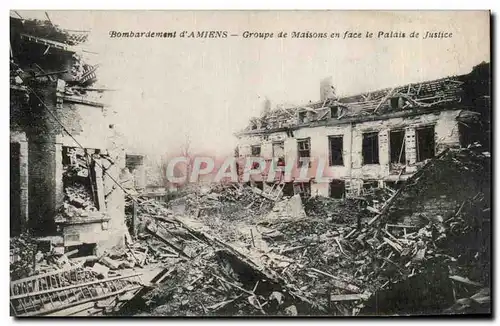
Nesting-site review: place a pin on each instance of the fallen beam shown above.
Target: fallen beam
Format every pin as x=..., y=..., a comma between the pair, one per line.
x=464, y=280
x=154, y=233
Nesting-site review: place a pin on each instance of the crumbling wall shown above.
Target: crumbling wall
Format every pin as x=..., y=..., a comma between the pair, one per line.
x=88, y=124
x=114, y=195
x=445, y=185
x=45, y=137
x=447, y=133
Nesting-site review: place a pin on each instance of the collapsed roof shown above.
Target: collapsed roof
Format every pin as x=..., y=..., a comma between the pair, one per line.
x=454, y=91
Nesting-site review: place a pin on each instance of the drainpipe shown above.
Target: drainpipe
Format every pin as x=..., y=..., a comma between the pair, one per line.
x=350, y=154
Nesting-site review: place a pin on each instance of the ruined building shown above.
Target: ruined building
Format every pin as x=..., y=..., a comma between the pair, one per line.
x=66, y=157
x=370, y=140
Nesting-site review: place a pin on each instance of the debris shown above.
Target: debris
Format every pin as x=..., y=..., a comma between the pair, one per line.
x=100, y=270
x=291, y=311
x=111, y=263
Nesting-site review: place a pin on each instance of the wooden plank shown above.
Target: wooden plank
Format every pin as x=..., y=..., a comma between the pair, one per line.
x=373, y=210
x=82, y=100
x=393, y=244
x=402, y=226
x=134, y=218
x=348, y=297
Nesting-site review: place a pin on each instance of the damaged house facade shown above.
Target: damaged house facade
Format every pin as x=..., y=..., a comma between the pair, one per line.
x=373, y=140
x=66, y=156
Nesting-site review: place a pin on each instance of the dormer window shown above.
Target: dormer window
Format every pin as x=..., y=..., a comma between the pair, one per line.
x=396, y=102
x=334, y=111
x=302, y=116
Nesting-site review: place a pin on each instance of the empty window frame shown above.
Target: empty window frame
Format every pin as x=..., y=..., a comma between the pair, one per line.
x=337, y=189
x=425, y=143
x=304, y=151
x=370, y=148
x=335, y=144
x=397, y=146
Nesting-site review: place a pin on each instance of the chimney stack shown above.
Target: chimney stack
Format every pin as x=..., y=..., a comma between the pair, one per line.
x=326, y=89
x=266, y=107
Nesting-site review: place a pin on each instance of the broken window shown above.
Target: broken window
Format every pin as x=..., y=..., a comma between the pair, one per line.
x=337, y=189
x=336, y=149
x=279, y=149
x=425, y=143
x=304, y=150
x=370, y=148
x=279, y=153
x=397, y=146
x=255, y=150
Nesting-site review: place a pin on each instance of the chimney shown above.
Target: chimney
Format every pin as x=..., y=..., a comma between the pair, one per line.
x=266, y=107
x=326, y=89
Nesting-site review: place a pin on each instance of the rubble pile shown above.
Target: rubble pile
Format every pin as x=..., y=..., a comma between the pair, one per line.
x=323, y=262
x=334, y=210
x=149, y=206
x=22, y=256
x=345, y=268
x=208, y=276
x=80, y=188
x=235, y=202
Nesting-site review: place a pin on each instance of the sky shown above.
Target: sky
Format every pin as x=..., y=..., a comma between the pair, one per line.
x=168, y=90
